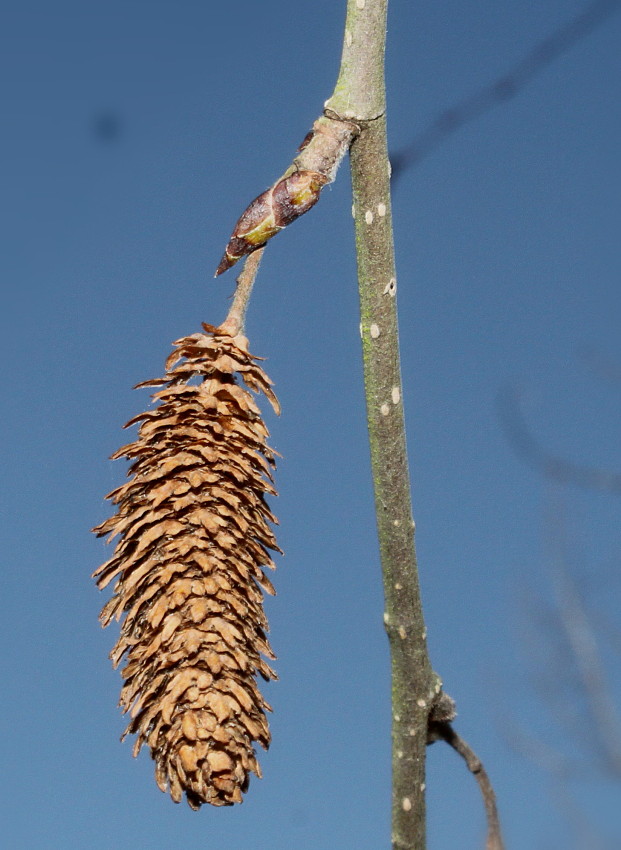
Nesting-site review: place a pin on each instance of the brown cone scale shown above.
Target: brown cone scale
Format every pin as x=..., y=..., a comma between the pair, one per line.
x=193, y=533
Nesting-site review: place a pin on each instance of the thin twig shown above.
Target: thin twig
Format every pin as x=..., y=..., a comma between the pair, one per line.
x=234, y=322
x=446, y=732
x=504, y=88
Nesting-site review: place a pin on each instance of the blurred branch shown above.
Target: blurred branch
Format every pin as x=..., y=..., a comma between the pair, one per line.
x=580, y=676
x=556, y=468
x=533, y=748
x=601, y=364
x=580, y=635
x=504, y=88
x=585, y=834
x=554, y=680
x=446, y=732
x=570, y=678
x=560, y=771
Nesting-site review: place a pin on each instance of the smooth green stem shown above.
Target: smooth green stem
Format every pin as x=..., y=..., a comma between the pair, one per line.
x=360, y=92
x=360, y=96
x=414, y=685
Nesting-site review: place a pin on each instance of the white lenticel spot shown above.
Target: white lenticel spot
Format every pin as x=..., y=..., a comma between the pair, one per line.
x=386, y=617
x=396, y=523
x=407, y=804
x=381, y=210
x=375, y=331
x=360, y=326
x=398, y=586
x=396, y=395
x=348, y=38
x=368, y=217
x=360, y=3
x=397, y=718
x=422, y=786
x=384, y=410
x=353, y=211
x=421, y=703
x=402, y=633
x=391, y=287
x=399, y=754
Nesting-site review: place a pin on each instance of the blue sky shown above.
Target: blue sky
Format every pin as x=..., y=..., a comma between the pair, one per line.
x=507, y=240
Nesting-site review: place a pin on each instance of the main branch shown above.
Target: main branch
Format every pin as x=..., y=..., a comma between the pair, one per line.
x=414, y=685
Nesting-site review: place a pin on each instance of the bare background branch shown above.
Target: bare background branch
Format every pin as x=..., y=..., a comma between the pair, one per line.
x=577, y=742
x=549, y=464
x=504, y=88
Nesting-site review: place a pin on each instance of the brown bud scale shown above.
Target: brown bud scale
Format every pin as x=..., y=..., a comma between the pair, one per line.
x=193, y=536
x=294, y=193
x=273, y=210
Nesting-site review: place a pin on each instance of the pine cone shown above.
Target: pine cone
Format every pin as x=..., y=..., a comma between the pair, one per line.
x=194, y=534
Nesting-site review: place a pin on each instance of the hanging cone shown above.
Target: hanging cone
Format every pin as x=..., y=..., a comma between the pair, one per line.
x=194, y=534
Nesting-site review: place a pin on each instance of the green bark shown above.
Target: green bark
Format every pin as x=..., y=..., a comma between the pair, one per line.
x=360, y=96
